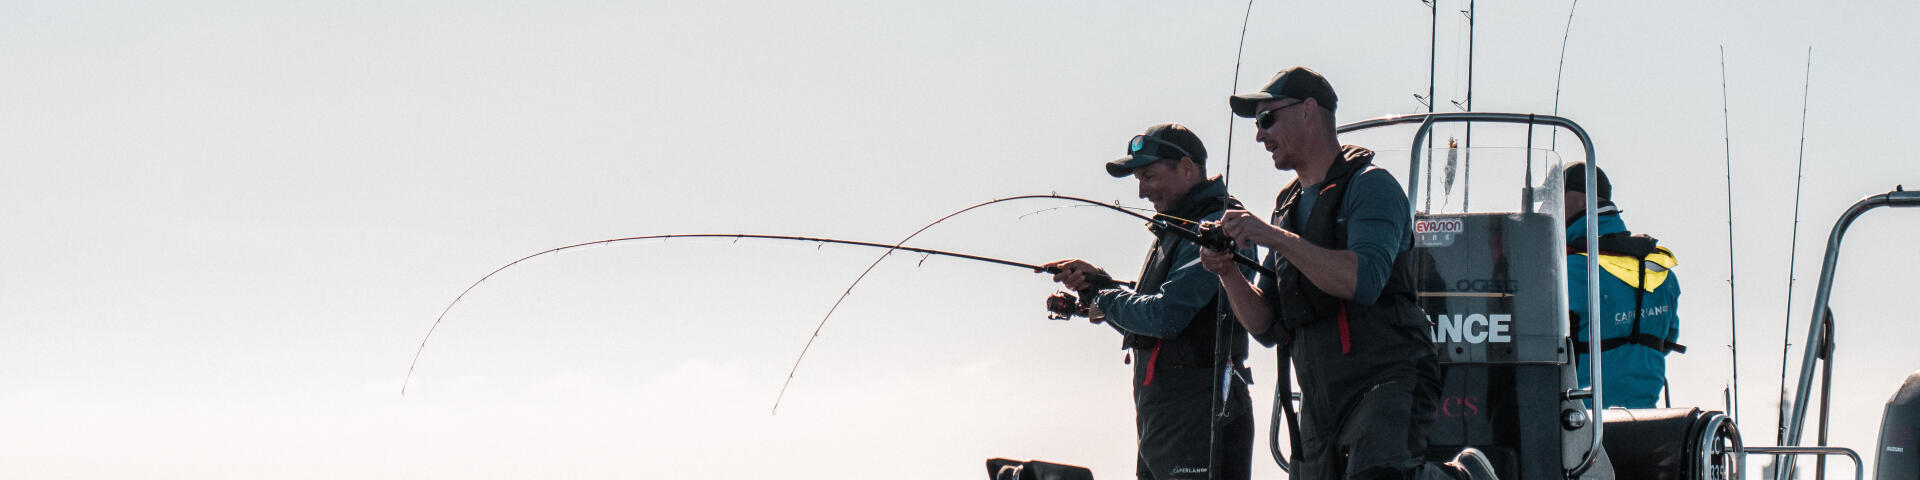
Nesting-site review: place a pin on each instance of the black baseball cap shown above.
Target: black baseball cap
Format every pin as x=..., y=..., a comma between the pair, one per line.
x=1297, y=82
x=1575, y=180
x=1166, y=141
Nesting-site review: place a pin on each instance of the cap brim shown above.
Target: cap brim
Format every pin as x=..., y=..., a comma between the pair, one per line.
x=1124, y=166
x=1243, y=104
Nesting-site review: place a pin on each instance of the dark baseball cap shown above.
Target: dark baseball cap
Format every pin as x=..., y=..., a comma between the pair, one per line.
x=1166, y=141
x=1575, y=175
x=1297, y=82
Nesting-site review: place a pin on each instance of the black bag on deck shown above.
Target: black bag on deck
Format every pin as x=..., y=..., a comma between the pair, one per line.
x=1006, y=469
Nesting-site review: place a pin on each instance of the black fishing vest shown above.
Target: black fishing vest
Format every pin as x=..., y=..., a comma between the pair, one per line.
x=1299, y=302
x=1193, y=347
x=1638, y=247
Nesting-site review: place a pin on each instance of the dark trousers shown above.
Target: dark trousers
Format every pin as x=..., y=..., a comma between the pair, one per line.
x=1366, y=411
x=1174, y=420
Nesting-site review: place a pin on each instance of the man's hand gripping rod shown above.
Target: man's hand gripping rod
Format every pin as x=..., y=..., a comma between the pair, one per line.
x=1064, y=305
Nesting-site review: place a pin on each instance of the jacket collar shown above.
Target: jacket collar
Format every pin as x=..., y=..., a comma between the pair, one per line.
x=1610, y=223
x=1200, y=199
x=1352, y=158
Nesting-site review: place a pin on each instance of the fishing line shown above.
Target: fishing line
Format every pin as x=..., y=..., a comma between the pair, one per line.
x=735, y=236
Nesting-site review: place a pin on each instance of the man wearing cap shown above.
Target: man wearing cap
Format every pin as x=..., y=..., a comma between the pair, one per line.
x=1168, y=321
x=1343, y=301
x=1638, y=326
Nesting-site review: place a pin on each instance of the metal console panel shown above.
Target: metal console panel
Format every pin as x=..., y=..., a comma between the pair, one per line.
x=1493, y=286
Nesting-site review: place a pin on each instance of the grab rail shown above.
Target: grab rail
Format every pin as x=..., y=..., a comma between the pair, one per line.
x=1790, y=436
x=1426, y=121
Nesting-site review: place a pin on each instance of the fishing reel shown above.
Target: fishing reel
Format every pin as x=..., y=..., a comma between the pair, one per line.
x=1206, y=234
x=1212, y=236
x=1063, y=305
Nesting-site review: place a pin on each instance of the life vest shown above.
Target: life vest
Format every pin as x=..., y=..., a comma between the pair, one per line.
x=1300, y=302
x=1193, y=347
x=1640, y=262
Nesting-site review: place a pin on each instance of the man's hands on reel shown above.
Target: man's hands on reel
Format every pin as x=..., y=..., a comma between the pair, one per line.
x=1220, y=262
x=1081, y=277
x=1247, y=229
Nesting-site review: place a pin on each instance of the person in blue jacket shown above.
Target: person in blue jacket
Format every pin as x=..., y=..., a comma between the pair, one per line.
x=1638, y=325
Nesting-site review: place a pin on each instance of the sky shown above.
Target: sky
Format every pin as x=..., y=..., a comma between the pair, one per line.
x=231, y=223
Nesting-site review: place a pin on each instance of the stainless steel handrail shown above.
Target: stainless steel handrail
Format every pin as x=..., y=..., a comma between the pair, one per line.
x=1859, y=469
x=1426, y=121
x=1790, y=436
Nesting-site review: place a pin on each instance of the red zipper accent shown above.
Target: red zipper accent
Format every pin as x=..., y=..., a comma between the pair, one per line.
x=1346, y=339
x=1152, y=360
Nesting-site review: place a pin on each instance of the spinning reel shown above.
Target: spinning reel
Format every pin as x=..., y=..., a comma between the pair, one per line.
x=1064, y=305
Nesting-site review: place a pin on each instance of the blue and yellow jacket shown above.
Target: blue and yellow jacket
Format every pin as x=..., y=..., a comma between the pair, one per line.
x=1635, y=366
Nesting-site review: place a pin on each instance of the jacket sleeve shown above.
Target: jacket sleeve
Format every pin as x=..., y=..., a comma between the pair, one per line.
x=1275, y=334
x=1376, y=230
x=1165, y=314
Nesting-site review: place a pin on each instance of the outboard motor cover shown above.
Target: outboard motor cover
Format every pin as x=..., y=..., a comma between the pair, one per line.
x=1897, y=457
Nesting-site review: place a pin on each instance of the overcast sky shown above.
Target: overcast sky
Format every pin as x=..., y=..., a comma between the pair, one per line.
x=230, y=223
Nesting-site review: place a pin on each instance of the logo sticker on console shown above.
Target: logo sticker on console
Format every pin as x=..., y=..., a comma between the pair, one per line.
x=1437, y=232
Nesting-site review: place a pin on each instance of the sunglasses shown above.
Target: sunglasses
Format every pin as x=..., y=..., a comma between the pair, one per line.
x=1265, y=119
x=1140, y=143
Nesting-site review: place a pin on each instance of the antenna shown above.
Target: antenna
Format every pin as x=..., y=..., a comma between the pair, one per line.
x=1733, y=322
x=1792, y=252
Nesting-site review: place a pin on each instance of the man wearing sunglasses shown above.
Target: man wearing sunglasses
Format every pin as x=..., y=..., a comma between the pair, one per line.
x=1168, y=321
x=1343, y=301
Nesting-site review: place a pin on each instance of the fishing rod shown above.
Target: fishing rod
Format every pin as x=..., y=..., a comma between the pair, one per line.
x=1202, y=236
x=1792, y=251
x=1067, y=207
x=1466, y=171
x=1560, y=71
x=1226, y=174
x=1223, y=329
x=1433, y=50
x=1060, y=304
x=1733, y=322
x=736, y=236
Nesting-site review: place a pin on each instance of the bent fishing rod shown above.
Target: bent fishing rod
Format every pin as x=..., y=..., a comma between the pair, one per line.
x=736, y=236
x=1061, y=305
x=1165, y=222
